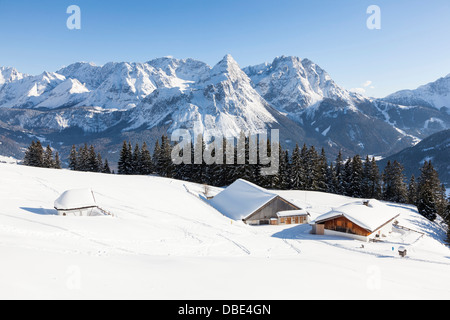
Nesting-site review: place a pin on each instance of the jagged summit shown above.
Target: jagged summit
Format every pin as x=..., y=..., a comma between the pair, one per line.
x=9, y=74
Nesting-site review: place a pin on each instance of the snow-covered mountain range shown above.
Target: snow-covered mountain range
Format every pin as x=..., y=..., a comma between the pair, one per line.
x=435, y=94
x=140, y=101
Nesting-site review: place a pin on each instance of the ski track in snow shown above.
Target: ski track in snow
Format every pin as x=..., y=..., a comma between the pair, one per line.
x=293, y=247
x=46, y=184
x=240, y=246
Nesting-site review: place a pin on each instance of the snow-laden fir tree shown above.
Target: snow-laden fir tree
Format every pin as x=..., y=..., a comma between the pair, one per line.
x=125, y=160
x=394, y=185
x=146, y=165
x=431, y=199
x=412, y=191
x=35, y=156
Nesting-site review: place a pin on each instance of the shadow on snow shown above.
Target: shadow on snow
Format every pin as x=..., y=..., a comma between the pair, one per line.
x=41, y=211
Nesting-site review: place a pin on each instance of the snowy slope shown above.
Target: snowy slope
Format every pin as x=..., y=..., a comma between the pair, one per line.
x=164, y=242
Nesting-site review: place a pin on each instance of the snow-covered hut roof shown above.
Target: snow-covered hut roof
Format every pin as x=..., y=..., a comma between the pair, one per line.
x=370, y=217
x=75, y=199
x=241, y=199
x=292, y=213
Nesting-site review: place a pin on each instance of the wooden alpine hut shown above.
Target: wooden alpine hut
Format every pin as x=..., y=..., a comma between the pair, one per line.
x=252, y=204
x=361, y=220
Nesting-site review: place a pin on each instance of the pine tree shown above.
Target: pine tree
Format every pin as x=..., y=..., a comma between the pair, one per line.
x=356, y=180
x=48, y=158
x=426, y=203
x=394, y=186
x=106, y=168
x=28, y=158
x=347, y=174
x=220, y=171
x=304, y=166
x=297, y=170
x=184, y=170
x=281, y=179
x=375, y=178
x=447, y=219
x=322, y=172
x=238, y=169
x=255, y=169
x=136, y=161
x=163, y=158
x=146, y=160
x=442, y=202
x=34, y=155
x=57, y=162
x=73, y=158
x=412, y=191
x=285, y=168
x=125, y=159
x=366, y=181
x=39, y=154
x=99, y=163
x=371, y=185
x=227, y=169
x=310, y=161
x=92, y=164
x=165, y=163
x=431, y=197
x=156, y=157
x=331, y=178
x=339, y=175
x=83, y=158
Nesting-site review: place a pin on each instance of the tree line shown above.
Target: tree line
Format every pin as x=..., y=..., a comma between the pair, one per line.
x=87, y=159
x=36, y=156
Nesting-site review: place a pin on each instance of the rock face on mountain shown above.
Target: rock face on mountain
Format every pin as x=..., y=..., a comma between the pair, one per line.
x=140, y=101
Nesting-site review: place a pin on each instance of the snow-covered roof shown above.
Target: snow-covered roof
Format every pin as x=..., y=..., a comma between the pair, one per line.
x=75, y=199
x=292, y=213
x=370, y=217
x=241, y=199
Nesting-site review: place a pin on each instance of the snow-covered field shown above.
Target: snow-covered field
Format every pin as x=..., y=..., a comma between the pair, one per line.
x=164, y=242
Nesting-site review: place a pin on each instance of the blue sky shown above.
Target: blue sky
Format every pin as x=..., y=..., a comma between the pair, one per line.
x=411, y=48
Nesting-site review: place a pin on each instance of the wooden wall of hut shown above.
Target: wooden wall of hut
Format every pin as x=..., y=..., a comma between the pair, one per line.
x=270, y=209
x=342, y=224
